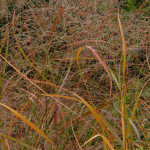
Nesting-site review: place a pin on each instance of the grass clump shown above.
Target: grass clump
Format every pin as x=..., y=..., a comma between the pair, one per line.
x=74, y=75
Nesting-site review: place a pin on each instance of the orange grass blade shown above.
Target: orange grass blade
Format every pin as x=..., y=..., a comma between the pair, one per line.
x=143, y=4
x=29, y=124
x=62, y=96
x=12, y=123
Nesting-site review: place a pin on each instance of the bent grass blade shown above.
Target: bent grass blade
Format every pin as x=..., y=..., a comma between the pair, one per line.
x=99, y=59
x=105, y=139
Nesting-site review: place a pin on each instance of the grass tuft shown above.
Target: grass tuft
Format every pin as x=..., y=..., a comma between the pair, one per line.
x=55, y=93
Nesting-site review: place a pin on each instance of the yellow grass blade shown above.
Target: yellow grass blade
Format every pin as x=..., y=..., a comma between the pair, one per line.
x=62, y=96
x=124, y=46
x=123, y=99
x=105, y=139
x=29, y=123
x=136, y=102
x=75, y=137
x=12, y=123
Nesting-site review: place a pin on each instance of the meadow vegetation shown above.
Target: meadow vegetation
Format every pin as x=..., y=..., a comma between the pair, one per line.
x=74, y=75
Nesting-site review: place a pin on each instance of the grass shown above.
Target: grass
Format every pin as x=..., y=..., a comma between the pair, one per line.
x=74, y=75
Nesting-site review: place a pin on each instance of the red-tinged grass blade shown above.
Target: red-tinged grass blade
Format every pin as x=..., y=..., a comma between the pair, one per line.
x=29, y=124
x=105, y=139
x=99, y=59
x=54, y=26
x=64, y=124
x=55, y=115
x=19, y=141
x=101, y=26
x=39, y=100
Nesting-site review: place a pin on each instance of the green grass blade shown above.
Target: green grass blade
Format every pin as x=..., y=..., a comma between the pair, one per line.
x=19, y=141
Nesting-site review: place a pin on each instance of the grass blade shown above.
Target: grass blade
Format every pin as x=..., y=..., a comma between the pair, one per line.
x=105, y=139
x=99, y=59
x=29, y=123
x=19, y=141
